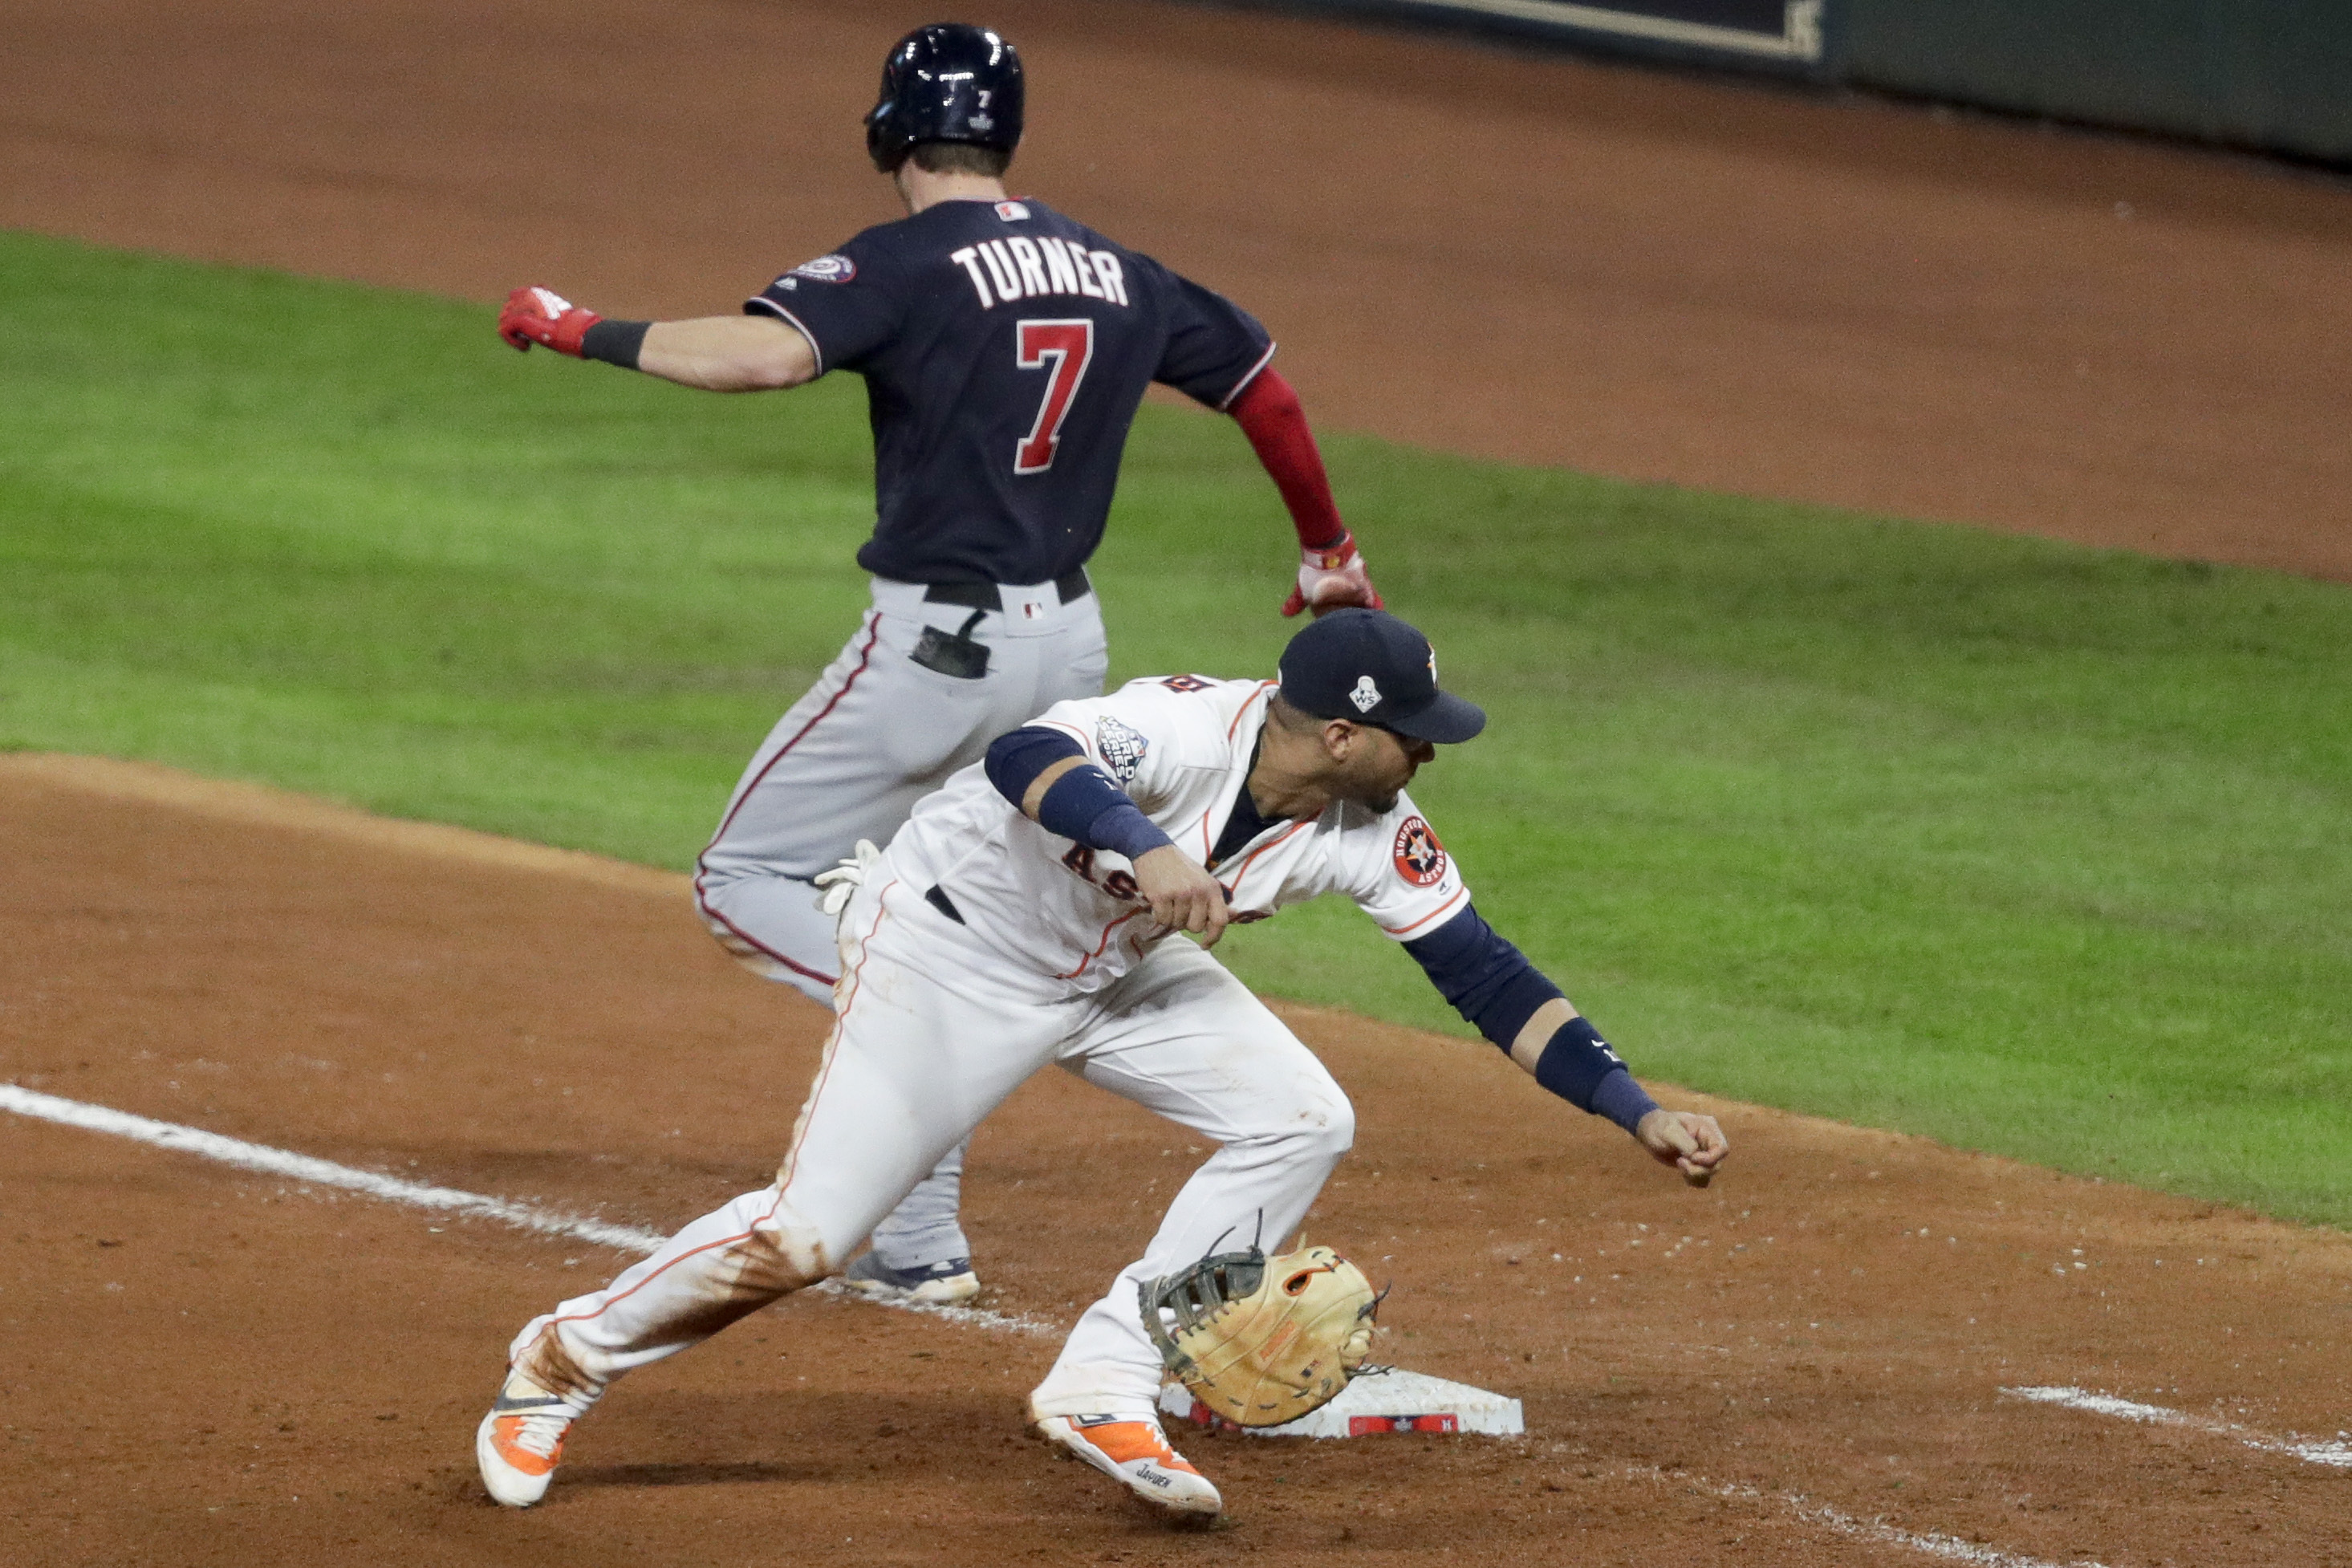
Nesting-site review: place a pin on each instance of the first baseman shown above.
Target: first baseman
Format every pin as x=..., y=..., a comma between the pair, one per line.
x=1022, y=917
x=1005, y=349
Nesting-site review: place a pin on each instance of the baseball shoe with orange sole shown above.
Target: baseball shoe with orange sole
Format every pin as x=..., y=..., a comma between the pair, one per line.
x=1135, y=1453
x=520, y=1441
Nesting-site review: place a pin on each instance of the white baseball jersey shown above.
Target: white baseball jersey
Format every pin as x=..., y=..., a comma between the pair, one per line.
x=981, y=948
x=1181, y=746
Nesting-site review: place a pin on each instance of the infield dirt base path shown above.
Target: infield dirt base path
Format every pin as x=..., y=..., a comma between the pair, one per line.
x=209, y=1367
x=1525, y=258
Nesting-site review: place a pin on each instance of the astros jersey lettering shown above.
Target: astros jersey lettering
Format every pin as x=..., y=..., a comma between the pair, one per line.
x=1004, y=350
x=1181, y=748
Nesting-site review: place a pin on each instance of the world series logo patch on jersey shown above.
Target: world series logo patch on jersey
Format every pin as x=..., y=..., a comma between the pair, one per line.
x=826, y=269
x=1420, y=858
x=1122, y=749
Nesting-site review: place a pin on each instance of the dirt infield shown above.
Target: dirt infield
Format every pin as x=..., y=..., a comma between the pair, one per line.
x=1533, y=258
x=213, y=1367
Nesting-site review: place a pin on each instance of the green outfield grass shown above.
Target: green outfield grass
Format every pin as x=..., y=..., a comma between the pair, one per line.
x=2032, y=848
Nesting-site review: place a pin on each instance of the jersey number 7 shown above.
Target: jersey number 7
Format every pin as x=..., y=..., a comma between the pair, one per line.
x=1068, y=347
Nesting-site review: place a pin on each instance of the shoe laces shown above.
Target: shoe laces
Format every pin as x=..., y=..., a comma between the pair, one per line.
x=542, y=1432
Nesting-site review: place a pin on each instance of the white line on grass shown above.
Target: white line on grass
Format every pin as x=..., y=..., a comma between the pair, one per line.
x=1949, y=1548
x=312, y=1172
x=2337, y=1454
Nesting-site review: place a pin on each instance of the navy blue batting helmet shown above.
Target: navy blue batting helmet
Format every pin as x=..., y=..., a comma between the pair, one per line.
x=946, y=82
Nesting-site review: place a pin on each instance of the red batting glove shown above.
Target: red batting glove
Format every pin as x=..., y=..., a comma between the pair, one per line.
x=537, y=315
x=1332, y=579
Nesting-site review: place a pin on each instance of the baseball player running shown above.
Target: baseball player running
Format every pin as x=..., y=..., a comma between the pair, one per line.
x=1022, y=917
x=1005, y=349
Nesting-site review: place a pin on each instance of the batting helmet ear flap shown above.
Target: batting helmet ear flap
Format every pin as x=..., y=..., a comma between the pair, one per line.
x=946, y=82
x=884, y=144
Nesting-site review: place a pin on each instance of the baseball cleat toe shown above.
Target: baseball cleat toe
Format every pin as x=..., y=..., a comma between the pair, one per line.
x=1135, y=1453
x=520, y=1441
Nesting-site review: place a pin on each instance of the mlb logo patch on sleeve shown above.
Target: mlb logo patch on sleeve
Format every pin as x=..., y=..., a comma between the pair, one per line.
x=1012, y=212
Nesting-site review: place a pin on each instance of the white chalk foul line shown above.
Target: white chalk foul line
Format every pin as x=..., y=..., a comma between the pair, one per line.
x=1948, y=1548
x=312, y=1172
x=320, y=1172
x=2337, y=1454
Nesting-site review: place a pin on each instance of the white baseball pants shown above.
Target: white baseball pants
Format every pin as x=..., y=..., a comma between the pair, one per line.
x=929, y=1039
x=848, y=761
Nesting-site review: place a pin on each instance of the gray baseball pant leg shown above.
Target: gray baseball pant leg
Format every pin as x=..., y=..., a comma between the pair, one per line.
x=876, y=733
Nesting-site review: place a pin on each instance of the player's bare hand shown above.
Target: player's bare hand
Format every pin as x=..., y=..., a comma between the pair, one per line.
x=1691, y=1143
x=1182, y=896
x=542, y=316
x=1333, y=579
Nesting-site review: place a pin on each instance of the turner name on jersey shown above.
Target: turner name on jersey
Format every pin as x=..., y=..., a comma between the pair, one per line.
x=1019, y=268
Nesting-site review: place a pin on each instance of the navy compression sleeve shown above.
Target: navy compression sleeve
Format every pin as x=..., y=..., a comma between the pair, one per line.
x=1487, y=980
x=1016, y=757
x=1491, y=984
x=1082, y=804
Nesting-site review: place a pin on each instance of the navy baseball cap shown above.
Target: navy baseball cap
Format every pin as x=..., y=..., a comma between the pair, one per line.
x=1369, y=666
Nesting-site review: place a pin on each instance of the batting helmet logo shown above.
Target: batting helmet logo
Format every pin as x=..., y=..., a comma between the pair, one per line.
x=1420, y=858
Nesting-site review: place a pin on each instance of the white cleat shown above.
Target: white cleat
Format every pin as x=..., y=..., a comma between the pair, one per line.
x=520, y=1441
x=1135, y=1454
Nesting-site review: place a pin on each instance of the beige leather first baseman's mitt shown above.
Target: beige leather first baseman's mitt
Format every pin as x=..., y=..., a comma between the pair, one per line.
x=1261, y=1340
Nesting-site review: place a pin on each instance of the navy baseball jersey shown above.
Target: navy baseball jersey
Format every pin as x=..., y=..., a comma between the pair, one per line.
x=1004, y=350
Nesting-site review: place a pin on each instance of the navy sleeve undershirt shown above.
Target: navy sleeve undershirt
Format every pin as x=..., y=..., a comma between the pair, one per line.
x=1491, y=984
x=1016, y=757
x=1487, y=981
x=1083, y=805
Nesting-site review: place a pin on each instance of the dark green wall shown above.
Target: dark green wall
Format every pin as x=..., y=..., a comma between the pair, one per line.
x=2263, y=73
x=2273, y=74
